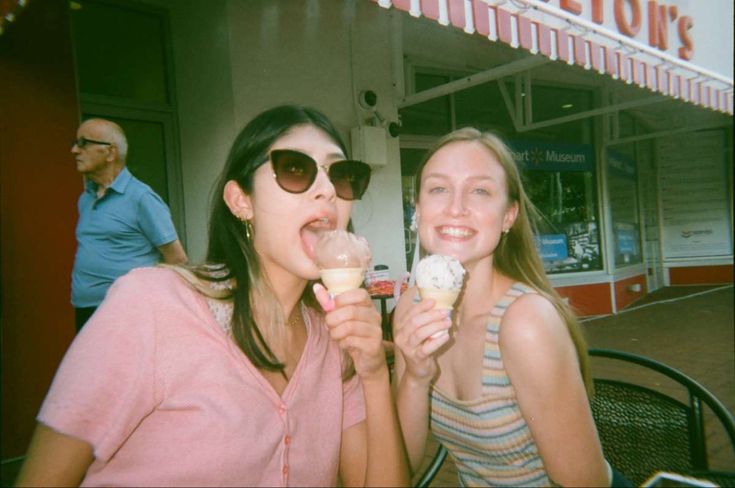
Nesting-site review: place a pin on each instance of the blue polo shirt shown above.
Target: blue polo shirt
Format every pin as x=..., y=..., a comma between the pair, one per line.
x=116, y=233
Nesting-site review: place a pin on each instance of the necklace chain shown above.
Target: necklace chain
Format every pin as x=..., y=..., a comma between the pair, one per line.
x=295, y=317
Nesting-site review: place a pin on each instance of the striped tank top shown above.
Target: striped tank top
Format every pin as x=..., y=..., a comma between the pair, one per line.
x=488, y=438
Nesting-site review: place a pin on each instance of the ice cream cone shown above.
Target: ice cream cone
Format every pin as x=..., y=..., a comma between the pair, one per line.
x=444, y=298
x=340, y=280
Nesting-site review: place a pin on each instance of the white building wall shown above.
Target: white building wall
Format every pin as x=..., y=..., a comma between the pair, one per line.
x=200, y=38
x=316, y=53
x=235, y=58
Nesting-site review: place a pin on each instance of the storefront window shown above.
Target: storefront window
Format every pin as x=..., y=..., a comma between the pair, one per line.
x=623, y=199
x=550, y=102
x=431, y=117
x=556, y=162
x=488, y=115
x=559, y=180
x=133, y=53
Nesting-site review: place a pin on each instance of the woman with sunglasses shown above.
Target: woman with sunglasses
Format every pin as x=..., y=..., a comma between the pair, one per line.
x=239, y=371
x=502, y=381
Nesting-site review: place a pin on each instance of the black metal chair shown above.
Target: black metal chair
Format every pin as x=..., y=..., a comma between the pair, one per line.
x=433, y=468
x=644, y=431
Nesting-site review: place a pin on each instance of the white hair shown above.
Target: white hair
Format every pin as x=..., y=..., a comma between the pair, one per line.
x=116, y=135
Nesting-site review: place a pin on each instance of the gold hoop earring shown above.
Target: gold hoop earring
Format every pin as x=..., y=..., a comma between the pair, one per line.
x=248, y=226
x=248, y=229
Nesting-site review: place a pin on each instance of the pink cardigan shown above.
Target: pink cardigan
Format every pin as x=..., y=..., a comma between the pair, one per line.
x=166, y=398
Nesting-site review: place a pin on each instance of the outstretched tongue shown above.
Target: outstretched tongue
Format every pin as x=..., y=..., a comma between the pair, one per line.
x=310, y=234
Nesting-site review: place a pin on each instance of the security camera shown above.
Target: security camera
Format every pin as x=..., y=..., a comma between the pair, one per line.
x=368, y=99
x=394, y=129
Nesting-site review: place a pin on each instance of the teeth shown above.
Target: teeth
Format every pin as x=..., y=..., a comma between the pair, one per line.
x=455, y=232
x=321, y=222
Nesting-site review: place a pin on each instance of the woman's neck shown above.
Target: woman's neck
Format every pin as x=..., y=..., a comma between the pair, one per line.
x=287, y=289
x=483, y=282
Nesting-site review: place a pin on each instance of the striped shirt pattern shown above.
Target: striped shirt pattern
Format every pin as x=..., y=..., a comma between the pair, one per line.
x=488, y=437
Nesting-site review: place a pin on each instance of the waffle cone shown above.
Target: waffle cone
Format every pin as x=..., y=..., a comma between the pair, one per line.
x=444, y=298
x=340, y=280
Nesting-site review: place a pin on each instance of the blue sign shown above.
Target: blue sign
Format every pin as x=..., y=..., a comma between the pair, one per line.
x=546, y=156
x=552, y=247
x=626, y=240
x=620, y=164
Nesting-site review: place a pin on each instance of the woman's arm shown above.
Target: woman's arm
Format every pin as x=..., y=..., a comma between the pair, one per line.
x=415, y=368
x=412, y=402
x=372, y=452
x=104, y=387
x=542, y=364
x=54, y=459
x=173, y=253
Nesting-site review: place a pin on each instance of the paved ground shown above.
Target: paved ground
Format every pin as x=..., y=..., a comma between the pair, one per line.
x=691, y=328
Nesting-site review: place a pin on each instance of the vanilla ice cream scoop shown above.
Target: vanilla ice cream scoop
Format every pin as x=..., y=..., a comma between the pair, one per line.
x=342, y=258
x=440, y=278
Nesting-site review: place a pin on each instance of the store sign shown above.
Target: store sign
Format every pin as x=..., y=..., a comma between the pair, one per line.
x=552, y=247
x=632, y=18
x=627, y=243
x=650, y=44
x=695, y=199
x=626, y=240
x=621, y=165
x=546, y=156
x=578, y=249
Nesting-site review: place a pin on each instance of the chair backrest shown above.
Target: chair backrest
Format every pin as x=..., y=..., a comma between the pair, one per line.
x=433, y=468
x=643, y=431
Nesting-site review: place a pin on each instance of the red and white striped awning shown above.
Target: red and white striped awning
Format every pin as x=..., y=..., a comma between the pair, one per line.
x=537, y=27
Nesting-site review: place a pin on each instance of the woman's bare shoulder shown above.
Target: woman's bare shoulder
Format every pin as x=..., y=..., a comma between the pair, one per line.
x=532, y=323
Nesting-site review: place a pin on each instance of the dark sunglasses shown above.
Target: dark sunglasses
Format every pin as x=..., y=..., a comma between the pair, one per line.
x=83, y=142
x=295, y=172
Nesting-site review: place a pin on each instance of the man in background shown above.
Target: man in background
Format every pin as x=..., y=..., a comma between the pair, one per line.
x=123, y=224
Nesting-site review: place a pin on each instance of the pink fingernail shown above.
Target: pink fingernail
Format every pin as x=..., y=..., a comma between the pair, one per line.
x=438, y=335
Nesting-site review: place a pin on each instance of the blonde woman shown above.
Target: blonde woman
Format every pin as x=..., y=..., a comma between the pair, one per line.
x=502, y=382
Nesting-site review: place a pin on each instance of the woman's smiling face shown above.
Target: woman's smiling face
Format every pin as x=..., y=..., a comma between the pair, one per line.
x=463, y=205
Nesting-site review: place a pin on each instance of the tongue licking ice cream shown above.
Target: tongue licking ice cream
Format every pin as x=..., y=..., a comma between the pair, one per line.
x=440, y=278
x=342, y=259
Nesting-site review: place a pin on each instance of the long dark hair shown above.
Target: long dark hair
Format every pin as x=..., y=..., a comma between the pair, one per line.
x=230, y=251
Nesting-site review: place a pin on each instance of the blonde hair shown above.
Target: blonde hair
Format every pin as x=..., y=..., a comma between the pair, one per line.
x=516, y=255
x=206, y=279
